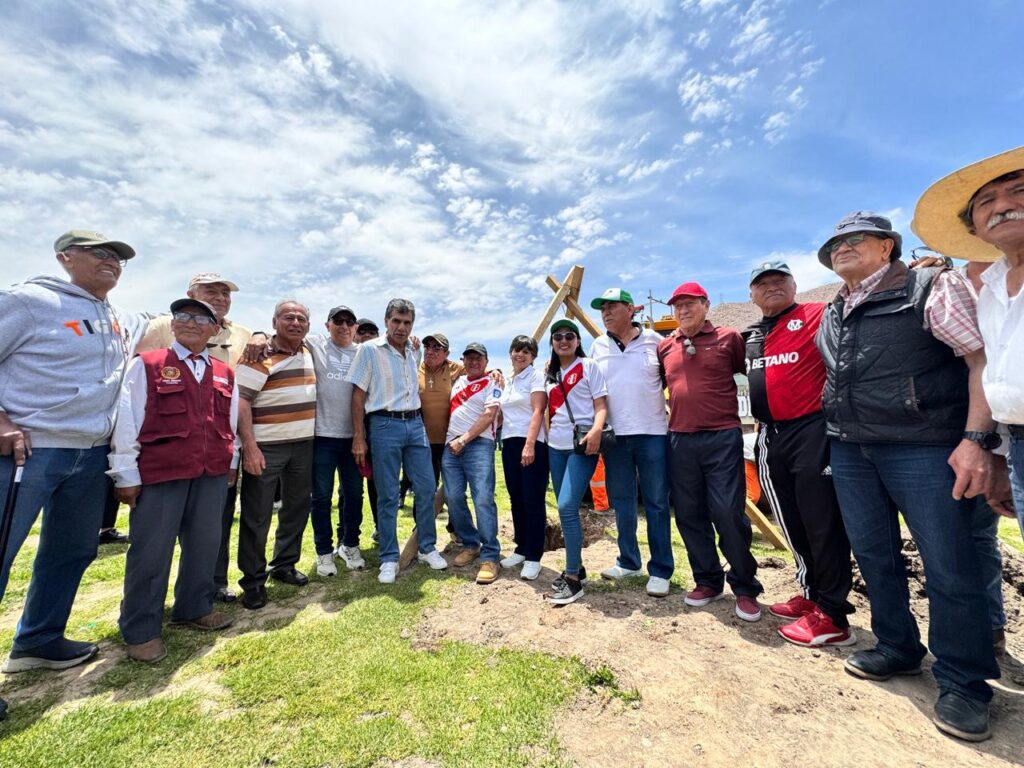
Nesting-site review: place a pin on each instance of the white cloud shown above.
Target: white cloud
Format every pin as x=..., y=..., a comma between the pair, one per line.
x=710, y=97
x=775, y=127
x=692, y=137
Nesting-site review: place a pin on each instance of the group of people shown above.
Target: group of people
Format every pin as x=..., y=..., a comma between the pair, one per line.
x=898, y=397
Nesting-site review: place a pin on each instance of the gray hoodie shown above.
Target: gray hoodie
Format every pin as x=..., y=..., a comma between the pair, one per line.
x=62, y=357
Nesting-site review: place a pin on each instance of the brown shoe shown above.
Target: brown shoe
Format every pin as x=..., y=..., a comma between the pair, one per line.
x=211, y=622
x=488, y=573
x=465, y=557
x=149, y=652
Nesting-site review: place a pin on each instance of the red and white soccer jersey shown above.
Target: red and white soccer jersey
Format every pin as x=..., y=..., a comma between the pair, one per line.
x=469, y=400
x=582, y=382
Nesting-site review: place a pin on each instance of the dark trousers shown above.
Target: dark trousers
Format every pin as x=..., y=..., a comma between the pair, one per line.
x=227, y=519
x=793, y=467
x=110, y=507
x=708, y=490
x=333, y=455
x=177, y=510
x=292, y=464
x=527, y=488
x=877, y=482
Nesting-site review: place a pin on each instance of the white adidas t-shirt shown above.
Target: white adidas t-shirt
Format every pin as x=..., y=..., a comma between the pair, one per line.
x=468, y=402
x=516, y=408
x=583, y=381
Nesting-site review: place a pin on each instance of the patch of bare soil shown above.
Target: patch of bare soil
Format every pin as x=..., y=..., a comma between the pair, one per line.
x=715, y=690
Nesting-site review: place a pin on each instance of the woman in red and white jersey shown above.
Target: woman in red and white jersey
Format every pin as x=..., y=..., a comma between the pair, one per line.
x=577, y=395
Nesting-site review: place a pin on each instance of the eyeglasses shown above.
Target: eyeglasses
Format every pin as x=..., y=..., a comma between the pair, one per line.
x=691, y=350
x=567, y=336
x=103, y=254
x=850, y=240
x=184, y=317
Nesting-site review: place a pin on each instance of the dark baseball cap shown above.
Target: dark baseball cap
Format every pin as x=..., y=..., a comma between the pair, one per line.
x=364, y=324
x=862, y=221
x=188, y=301
x=475, y=346
x=341, y=309
x=566, y=323
x=439, y=338
x=768, y=267
x=90, y=239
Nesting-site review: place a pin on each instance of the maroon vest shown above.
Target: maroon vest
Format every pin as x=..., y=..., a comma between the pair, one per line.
x=186, y=432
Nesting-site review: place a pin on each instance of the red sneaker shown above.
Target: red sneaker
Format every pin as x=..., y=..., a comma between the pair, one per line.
x=816, y=629
x=747, y=608
x=796, y=607
x=703, y=595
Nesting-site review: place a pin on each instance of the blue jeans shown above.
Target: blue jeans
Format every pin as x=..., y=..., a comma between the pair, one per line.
x=69, y=486
x=330, y=455
x=1015, y=459
x=873, y=482
x=396, y=444
x=570, y=478
x=473, y=466
x=646, y=456
x=985, y=535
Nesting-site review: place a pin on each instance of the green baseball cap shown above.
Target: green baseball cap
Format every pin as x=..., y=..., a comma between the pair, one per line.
x=91, y=239
x=612, y=294
x=769, y=266
x=565, y=323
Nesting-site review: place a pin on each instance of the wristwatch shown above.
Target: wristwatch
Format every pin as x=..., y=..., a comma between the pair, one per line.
x=987, y=440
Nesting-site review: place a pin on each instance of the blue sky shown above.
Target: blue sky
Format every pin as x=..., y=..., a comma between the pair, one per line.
x=456, y=153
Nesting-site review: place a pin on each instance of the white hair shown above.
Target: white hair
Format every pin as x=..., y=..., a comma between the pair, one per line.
x=296, y=302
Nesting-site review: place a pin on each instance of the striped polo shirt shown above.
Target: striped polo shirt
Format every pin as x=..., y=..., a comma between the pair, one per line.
x=389, y=379
x=282, y=392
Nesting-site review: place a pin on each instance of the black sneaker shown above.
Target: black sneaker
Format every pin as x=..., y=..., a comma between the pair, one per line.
x=290, y=576
x=56, y=654
x=962, y=717
x=113, y=536
x=582, y=575
x=565, y=591
x=225, y=595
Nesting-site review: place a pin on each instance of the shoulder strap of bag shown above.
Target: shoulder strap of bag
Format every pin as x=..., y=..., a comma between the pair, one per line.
x=565, y=396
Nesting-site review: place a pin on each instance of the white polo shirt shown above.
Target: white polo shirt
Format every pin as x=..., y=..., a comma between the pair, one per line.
x=469, y=401
x=636, y=398
x=582, y=382
x=1001, y=320
x=516, y=405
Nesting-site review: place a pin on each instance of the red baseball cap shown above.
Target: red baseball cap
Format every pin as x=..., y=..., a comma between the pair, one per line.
x=688, y=289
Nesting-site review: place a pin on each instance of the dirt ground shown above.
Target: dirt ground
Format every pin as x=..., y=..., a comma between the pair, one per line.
x=715, y=690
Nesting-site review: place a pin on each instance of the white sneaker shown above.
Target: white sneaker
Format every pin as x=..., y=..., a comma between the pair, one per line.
x=512, y=560
x=531, y=570
x=433, y=559
x=657, y=586
x=388, y=572
x=352, y=557
x=325, y=565
x=618, y=572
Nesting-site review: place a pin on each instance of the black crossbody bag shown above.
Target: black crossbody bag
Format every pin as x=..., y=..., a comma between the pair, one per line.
x=579, y=431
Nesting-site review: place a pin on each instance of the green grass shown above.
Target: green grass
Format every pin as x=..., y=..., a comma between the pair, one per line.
x=336, y=680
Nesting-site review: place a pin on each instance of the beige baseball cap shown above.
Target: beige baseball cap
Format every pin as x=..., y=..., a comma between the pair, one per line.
x=207, y=278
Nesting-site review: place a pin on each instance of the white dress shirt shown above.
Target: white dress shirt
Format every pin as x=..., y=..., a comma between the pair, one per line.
x=1001, y=319
x=131, y=412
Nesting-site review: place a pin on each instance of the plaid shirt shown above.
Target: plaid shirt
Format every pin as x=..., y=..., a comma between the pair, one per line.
x=950, y=313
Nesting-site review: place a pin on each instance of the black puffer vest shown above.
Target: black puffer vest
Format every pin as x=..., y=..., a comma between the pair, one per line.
x=889, y=380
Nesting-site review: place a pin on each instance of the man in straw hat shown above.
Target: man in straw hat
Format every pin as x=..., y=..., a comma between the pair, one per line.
x=905, y=416
x=977, y=213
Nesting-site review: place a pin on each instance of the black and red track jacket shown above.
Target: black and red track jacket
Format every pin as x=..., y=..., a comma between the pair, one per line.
x=784, y=368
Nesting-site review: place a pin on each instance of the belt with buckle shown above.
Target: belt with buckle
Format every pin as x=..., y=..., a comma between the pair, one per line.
x=403, y=415
x=1016, y=431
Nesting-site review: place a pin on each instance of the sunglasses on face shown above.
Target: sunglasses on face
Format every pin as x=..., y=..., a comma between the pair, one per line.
x=850, y=240
x=103, y=254
x=567, y=336
x=691, y=350
x=184, y=317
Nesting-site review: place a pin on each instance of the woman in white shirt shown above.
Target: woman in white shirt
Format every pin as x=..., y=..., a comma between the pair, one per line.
x=524, y=456
x=577, y=395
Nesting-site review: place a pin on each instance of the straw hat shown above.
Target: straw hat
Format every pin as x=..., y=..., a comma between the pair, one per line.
x=937, y=216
